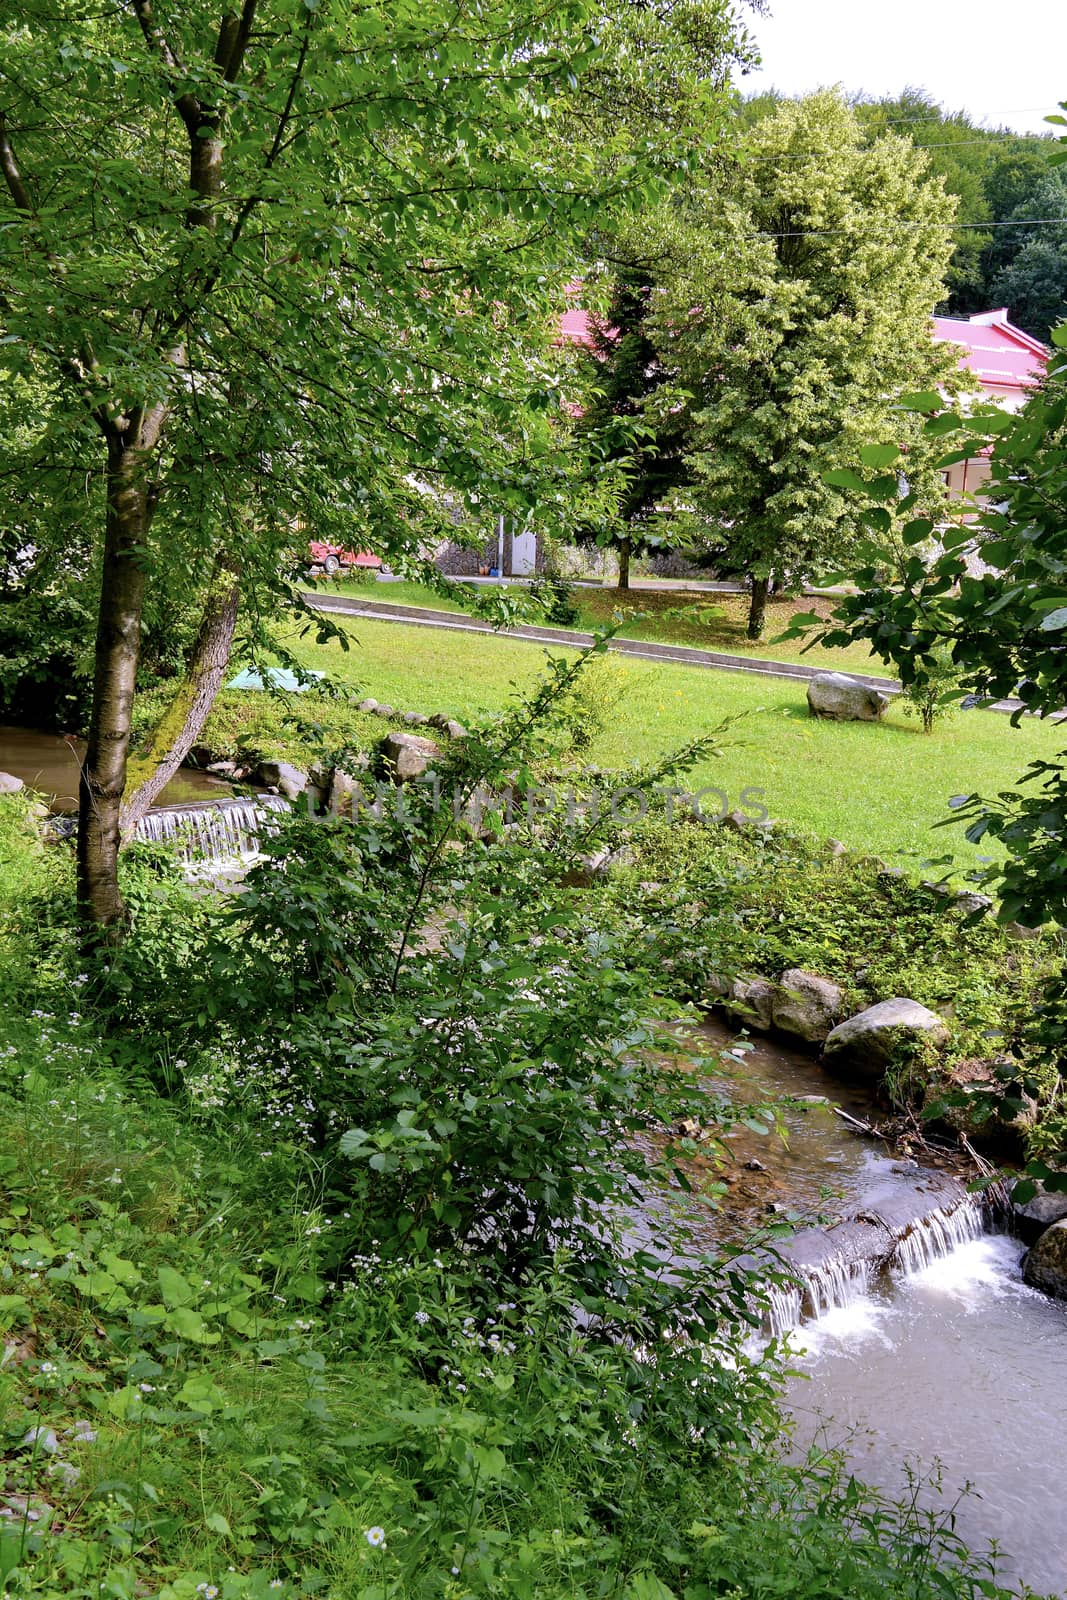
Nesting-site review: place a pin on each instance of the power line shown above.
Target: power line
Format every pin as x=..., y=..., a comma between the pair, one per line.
x=949, y=227
x=1002, y=111
x=947, y=144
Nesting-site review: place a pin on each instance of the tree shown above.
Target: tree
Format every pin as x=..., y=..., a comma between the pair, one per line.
x=623, y=412
x=1033, y=280
x=996, y=176
x=277, y=266
x=1002, y=630
x=797, y=308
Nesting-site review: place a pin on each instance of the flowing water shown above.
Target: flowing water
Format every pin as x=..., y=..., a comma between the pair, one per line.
x=220, y=837
x=915, y=1344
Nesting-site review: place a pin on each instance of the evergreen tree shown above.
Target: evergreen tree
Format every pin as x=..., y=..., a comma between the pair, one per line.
x=623, y=411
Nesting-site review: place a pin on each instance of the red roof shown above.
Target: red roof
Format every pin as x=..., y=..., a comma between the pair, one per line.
x=575, y=327
x=1001, y=356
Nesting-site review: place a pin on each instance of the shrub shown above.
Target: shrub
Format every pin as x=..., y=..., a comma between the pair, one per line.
x=593, y=702
x=554, y=596
x=934, y=695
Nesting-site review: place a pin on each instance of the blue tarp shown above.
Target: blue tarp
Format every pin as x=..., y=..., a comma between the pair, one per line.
x=277, y=678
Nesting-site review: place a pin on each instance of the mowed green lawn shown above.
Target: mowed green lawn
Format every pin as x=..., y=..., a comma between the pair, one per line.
x=667, y=616
x=876, y=787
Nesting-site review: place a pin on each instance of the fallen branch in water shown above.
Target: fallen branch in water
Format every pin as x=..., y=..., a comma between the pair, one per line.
x=986, y=1168
x=861, y=1127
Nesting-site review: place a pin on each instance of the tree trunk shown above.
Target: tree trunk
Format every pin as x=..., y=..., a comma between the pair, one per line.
x=180, y=725
x=118, y=648
x=757, y=606
x=624, y=563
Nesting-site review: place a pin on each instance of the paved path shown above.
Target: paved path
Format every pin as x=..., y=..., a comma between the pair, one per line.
x=643, y=649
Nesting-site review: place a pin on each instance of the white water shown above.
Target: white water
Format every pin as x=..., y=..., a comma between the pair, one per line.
x=954, y=1368
x=212, y=838
x=840, y=1277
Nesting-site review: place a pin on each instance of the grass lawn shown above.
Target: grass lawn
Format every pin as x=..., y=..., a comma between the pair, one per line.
x=876, y=787
x=667, y=616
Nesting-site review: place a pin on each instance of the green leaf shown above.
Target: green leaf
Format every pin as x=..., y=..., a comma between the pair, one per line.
x=177, y=1291
x=845, y=478
x=189, y=1324
x=1054, y=620
x=879, y=455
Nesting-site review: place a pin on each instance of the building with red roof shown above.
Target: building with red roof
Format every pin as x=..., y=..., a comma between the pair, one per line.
x=1005, y=362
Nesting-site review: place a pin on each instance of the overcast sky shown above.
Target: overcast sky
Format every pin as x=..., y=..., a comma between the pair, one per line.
x=1004, y=61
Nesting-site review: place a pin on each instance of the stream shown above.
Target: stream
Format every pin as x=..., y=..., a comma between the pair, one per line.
x=941, y=1365
x=50, y=763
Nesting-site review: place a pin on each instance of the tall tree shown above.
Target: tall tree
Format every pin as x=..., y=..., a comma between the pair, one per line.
x=624, y=387
x=278, y=264
x=797, y=310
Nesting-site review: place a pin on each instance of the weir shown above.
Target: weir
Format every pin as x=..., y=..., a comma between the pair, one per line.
x=214, y=834
x=828, y=1269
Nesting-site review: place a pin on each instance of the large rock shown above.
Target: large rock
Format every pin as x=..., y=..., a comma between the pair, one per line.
x=970, y=904
x=407, y=756
x=1030, y=1220
x=283, y=776
x=874, y=1039
x=10, y=784
x=1045, y=1265
x=751, y=1003
x=342, y=790
x=805, y=1006
x=844, y=699
x=979, y=1108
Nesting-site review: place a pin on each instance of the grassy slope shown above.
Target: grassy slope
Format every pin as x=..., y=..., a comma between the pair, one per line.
x=668, y=616
x=875, y=787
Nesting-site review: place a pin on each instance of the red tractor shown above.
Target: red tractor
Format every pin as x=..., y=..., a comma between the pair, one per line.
x=334, y=558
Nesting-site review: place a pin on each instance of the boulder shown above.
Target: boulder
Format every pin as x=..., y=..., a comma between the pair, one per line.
x=407, y=756
x=981, y=1112
x=739, y=822
x=282, y=776
x=866, y=1044
x=836, y=848
x=383, y=711
x=1031, y=1219
x=805, y=1006
x=1045, y=1264
x=597, y=864
x=843, y=699
x=1020, y=931
x=414, y=719
x=454, y=729
x=367, y=705
x=750, y=1003
x=10, y=784
x=340, y=791
x=970, y=904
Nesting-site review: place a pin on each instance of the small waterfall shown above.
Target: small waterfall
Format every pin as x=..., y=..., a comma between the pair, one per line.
x=217, y=834
x=827, y=1270
x=938, y=1233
